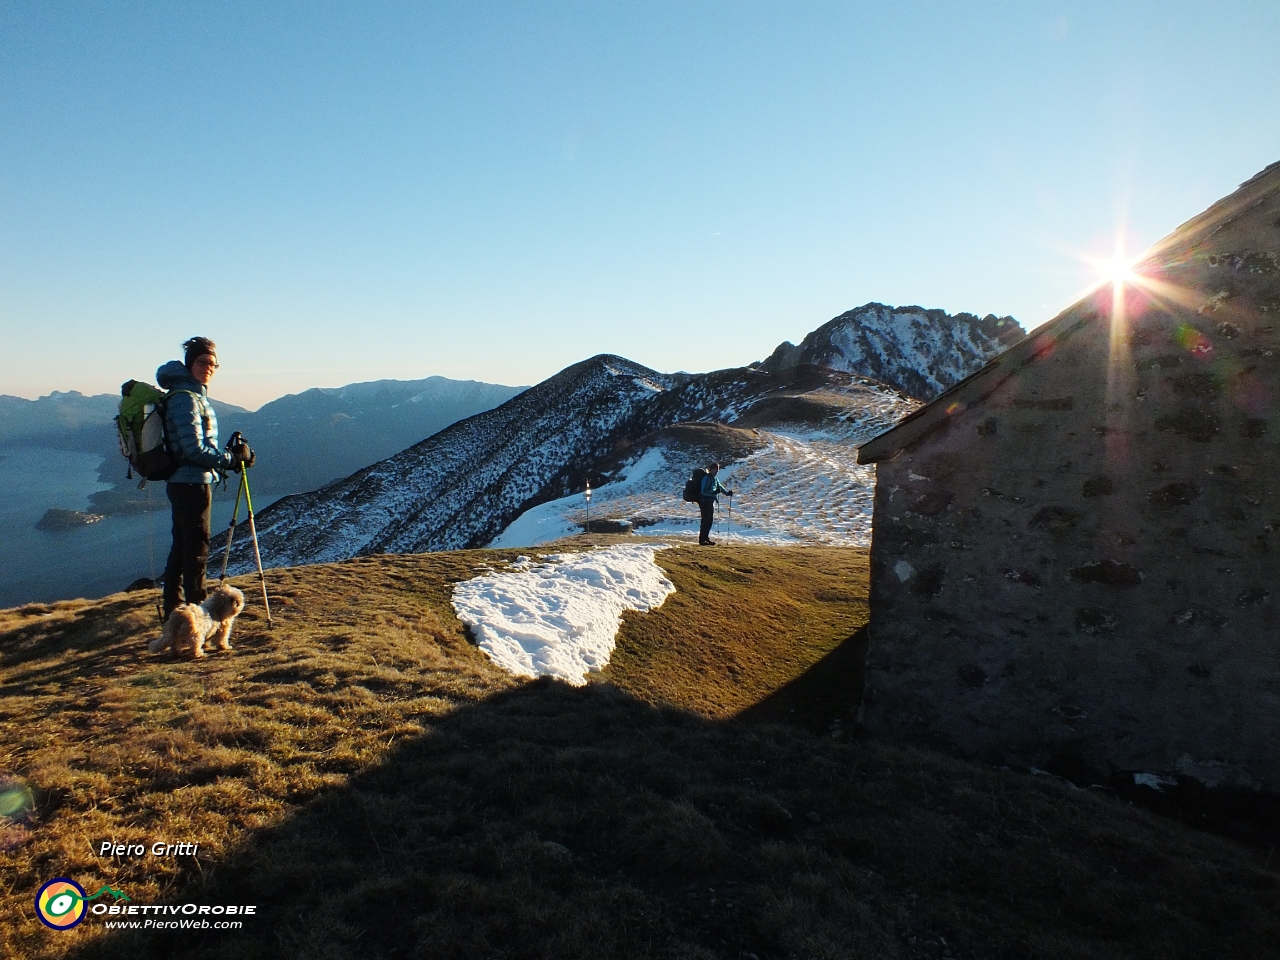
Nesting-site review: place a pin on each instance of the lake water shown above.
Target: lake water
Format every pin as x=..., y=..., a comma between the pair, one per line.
x=89, y=561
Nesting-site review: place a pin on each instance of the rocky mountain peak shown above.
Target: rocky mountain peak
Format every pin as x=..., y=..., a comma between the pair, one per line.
x=920, y=352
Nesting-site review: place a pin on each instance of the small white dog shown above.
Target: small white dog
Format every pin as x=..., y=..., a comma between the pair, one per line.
x=192, y=625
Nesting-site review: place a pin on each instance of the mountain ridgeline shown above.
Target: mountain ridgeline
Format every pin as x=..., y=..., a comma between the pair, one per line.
x=63, y=420
x=460, y=488
x=324, y=434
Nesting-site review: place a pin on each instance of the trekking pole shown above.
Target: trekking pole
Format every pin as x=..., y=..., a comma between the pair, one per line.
x=730, y=533
x=231, y=528
x=151, y=564
x=253, y=532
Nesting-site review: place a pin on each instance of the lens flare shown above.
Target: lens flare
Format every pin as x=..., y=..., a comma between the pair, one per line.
x=16, y=800
x=1119, y=270
x=1193, y=341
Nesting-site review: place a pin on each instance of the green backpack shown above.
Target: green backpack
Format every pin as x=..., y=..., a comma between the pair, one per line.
x=140, y=424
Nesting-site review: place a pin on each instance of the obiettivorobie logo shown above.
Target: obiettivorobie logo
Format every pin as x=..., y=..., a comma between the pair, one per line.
x=61, y=903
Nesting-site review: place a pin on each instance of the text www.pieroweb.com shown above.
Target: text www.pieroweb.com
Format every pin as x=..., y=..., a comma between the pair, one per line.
x=185, y=916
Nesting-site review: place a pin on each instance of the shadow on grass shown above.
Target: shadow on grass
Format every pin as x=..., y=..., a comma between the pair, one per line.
x=551, y=821
x=830, y=690
x=80, y=642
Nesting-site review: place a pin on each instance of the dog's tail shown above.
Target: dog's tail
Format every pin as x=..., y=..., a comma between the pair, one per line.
x=158, y=644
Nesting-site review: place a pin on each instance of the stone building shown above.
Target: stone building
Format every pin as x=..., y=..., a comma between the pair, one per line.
x=1076, y=551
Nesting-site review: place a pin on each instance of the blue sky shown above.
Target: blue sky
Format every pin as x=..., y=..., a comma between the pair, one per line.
x=492, y=191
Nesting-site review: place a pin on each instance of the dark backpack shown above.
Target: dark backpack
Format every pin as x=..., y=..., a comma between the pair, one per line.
x=693, y=486
x=140, y=424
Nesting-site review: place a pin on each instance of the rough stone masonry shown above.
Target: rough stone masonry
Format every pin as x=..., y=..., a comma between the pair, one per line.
x=1076, y=551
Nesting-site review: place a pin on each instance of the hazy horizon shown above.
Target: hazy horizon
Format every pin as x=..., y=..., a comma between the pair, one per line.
x=213, y=393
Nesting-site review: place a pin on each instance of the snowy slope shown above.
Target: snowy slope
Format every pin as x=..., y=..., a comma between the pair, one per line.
x=799, y=482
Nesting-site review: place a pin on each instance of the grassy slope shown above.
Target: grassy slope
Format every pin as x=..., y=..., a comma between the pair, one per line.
x=378, y=789
x=745, y=622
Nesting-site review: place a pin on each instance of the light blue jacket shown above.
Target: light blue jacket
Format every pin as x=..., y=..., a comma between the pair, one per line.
x=191, y=427
x=711, y=486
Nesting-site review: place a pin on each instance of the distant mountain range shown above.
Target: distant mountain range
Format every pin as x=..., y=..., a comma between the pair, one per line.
x=304, y=440
x=61, y=421
x=309, y=439
x=462, y=487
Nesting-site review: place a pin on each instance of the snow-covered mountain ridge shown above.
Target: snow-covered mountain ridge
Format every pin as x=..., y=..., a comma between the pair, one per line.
x=920, y=352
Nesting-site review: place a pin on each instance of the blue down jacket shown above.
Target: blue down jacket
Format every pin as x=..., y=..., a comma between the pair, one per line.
x=191, y=427
x=711, y=486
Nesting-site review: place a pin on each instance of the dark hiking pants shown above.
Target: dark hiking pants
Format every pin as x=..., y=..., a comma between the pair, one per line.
x=708, y=508
x=190, y=552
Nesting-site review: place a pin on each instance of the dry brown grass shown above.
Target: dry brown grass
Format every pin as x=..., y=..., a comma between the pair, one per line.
x=368, y=779
x=123, y=746
x=745, y=622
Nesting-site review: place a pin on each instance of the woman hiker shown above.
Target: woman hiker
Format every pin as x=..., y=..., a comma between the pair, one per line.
x=707, y=502
x=191, y=433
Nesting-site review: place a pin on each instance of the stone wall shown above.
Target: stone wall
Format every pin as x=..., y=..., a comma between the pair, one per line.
x=1084, y=565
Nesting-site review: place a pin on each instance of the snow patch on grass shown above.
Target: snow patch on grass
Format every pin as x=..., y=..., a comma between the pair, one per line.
x=560, y=618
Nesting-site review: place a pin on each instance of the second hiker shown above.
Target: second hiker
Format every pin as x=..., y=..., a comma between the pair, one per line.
x=191, y=433
x=707, y=502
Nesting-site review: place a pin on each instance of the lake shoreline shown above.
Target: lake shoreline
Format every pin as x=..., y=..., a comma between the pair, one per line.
x=83, y=560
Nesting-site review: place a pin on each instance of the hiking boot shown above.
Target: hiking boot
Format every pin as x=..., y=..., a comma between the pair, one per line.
x=706, y=543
